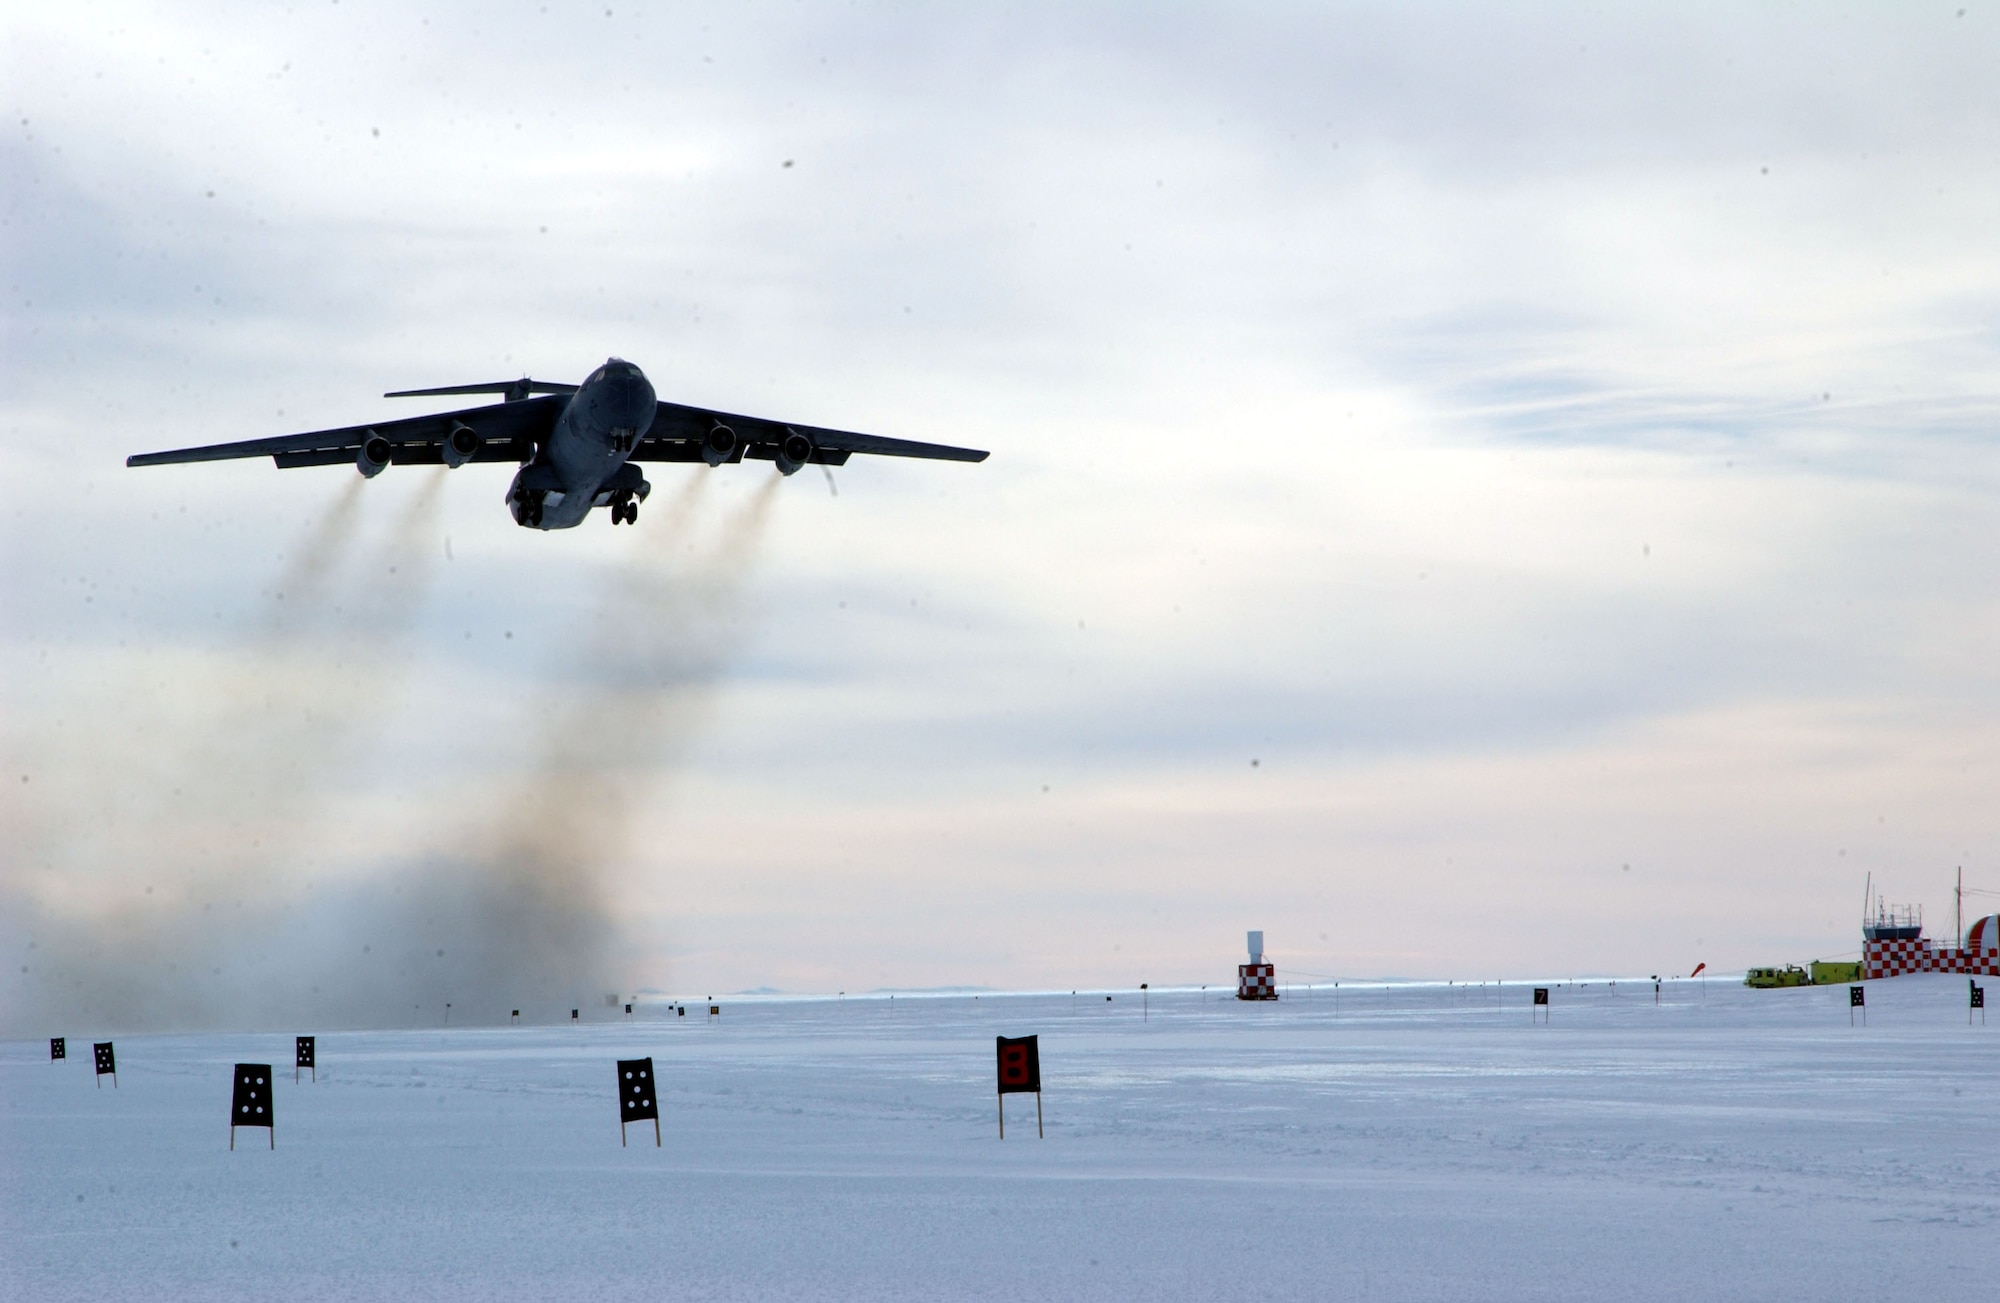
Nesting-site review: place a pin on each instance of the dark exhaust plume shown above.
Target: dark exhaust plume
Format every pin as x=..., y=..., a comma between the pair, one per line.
x=177, y=817
x=527, y=918
x=247, y=925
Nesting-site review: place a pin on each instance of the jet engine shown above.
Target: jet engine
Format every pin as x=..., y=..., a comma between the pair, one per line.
x=461, y=445
x=719, y=445
x=374, y=456
x=794, y=451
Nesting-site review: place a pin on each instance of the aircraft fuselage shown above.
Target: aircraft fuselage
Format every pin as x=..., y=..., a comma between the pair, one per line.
x=583, y=463
x=577, y=446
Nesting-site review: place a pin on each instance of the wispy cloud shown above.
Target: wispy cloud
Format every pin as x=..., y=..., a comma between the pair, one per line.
x=1437, y=406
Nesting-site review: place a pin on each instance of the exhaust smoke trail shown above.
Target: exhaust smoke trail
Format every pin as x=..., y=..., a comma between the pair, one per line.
x=207, y=786
x=528, y=920
x=248, y=924
x=303, y=580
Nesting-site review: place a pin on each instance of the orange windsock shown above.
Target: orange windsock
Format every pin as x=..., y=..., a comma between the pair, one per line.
x=1697, y=970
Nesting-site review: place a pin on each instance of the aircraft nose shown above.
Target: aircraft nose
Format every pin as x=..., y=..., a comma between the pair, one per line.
x=628, y=393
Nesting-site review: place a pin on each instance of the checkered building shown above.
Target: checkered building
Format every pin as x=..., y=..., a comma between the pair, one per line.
x=1979, y=957
x=1256, y=981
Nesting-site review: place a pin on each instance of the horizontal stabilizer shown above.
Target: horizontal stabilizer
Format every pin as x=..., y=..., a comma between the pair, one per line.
x=515, y=390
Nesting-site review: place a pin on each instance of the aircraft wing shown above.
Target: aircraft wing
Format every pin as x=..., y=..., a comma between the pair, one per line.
x=678, y=431
x=510, y=432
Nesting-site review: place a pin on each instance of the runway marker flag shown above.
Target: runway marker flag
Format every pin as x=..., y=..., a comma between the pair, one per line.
x=1857, y=999
x=302, y=1057
x=107, y=1061
x=58, y=1049
x=638, y=1098
x=1541, y=1002
x=1978, y=1002
x=250, y=1101
x=1020, y=1074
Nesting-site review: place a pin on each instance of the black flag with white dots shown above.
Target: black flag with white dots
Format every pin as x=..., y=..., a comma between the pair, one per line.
x=637, y=1099
x=57, y=1048
x=250, y=1100
x=107, y=1060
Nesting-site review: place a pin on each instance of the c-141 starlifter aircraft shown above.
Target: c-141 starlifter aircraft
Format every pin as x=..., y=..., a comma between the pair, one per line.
x=575, y=443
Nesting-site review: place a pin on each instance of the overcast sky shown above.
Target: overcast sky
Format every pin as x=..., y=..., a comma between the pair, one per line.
x=1475, y=491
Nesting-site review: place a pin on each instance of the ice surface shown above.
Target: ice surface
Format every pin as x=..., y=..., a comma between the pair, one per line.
x=1384, y=1143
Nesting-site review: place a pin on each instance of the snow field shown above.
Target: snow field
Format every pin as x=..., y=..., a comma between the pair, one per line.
x=1400, y=1142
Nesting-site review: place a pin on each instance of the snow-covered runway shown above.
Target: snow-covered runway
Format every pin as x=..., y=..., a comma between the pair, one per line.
x=1414, y=1142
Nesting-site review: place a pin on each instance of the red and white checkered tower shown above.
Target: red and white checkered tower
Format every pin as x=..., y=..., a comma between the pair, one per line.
x=1893, y=943
x=1256, y=980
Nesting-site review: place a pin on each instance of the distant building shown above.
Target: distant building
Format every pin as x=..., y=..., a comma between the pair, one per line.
x=1256, y=980
x=1893, y=943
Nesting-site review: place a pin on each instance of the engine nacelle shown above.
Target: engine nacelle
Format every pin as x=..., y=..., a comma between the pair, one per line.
x=461, y=445
x=794, y=451
x=374, y=456
x=719, y=445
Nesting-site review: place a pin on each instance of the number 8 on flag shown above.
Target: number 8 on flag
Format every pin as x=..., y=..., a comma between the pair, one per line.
x=1020, y=1063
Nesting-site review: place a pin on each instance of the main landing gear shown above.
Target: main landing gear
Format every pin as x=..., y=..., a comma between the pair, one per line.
x=624, y=511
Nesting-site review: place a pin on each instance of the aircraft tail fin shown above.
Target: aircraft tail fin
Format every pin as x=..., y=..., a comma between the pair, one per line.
x=514, y=390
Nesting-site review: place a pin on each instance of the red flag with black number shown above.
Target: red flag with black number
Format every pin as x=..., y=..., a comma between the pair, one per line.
x=1020, y=1064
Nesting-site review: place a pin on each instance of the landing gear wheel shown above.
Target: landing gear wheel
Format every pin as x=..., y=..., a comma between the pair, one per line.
x=631, y=513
